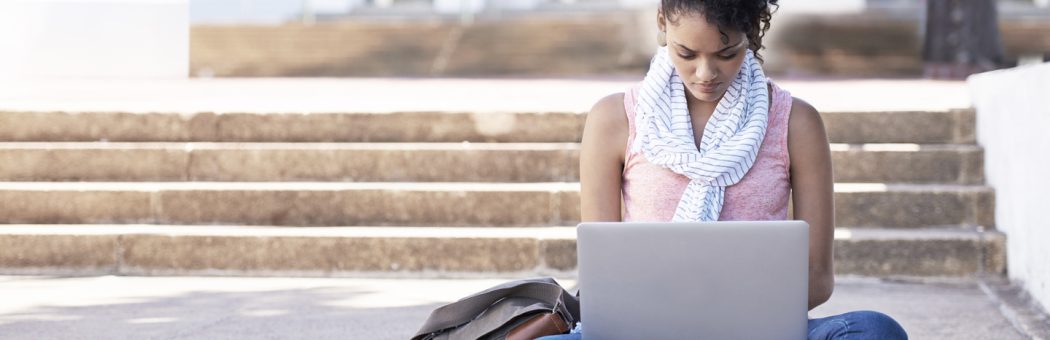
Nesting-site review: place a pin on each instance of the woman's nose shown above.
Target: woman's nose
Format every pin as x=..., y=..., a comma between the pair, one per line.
x=705, y=72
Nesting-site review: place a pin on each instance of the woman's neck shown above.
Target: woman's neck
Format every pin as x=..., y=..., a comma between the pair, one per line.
x=699, y=108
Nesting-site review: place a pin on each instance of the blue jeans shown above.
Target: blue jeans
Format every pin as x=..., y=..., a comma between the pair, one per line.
x=852, y=325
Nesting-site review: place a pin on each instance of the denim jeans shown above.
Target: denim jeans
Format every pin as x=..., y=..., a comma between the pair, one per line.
x=852, y=325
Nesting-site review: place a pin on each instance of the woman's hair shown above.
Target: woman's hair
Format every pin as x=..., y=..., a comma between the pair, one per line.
x=748, y=16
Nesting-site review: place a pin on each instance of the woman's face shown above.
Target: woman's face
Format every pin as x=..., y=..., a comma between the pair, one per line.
x=705, y=59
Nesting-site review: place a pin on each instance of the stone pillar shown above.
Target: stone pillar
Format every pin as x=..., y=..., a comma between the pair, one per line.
x=94, y=38
x=962, y=38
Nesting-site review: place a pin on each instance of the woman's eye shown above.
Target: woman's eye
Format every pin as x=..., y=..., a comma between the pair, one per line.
x=731, y=56
x=685, y=56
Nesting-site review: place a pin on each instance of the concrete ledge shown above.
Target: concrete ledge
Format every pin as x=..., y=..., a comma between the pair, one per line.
x=922, y=127
x=423, y=162
x=326, y=254
x=925, y=253
x=437, y=251
x=74, y=252
x=880, y=205
x=908, y=163
x=952, y=127
x=423, y=204
x=72, y=205
x=451, y=127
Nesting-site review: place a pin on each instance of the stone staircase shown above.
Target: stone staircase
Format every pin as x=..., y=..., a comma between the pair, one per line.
x=423, y=194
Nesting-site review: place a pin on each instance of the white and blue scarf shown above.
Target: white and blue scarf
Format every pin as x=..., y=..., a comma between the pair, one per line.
x=731, y=138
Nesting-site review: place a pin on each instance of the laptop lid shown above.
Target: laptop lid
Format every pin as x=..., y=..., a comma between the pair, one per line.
x=715, y=280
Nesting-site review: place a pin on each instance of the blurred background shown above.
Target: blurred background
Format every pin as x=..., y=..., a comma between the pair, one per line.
x=576, y=38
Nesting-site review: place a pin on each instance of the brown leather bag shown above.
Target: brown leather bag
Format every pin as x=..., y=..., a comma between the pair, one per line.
x=541, y=325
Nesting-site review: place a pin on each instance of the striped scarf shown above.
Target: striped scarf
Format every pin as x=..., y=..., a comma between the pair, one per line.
x=730, y=142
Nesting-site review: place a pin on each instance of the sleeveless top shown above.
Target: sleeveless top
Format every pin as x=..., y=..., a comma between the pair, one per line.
x=651, y=192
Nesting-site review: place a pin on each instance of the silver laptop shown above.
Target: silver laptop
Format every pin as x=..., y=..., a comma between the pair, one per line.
x=717, y=280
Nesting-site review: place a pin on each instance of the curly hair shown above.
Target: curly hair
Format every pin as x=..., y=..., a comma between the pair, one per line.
x=748, y=16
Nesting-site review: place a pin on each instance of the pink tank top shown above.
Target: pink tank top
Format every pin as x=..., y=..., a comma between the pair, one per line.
x=651, y=192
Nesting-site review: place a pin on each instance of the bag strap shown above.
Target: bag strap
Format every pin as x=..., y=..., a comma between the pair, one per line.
x=460, y=312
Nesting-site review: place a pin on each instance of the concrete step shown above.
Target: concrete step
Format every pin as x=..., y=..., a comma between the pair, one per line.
x=431, y=251
x=513, y=47
x=334, y=49
x=424, y=204
x=411, y=48
x=923, y=127
x=908, y=163
x=355, y=162
x=401, y=162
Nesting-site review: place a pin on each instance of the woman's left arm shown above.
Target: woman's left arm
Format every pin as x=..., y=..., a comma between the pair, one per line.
x=812, y=188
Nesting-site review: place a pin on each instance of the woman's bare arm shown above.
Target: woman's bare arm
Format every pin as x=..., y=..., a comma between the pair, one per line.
x=601, y=160
x=813, y=195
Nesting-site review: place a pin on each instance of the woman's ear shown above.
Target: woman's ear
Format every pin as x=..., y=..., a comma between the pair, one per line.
x=661, y=22
x=661, y=35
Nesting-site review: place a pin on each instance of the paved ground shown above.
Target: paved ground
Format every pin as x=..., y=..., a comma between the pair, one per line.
x=286, y=95
x=110, y=307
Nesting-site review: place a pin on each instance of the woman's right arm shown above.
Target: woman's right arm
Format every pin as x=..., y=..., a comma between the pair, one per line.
x=601, y=160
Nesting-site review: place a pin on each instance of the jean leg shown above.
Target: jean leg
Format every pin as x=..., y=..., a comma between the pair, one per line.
x=856, y=325
x=852, y=325
x=574, y=336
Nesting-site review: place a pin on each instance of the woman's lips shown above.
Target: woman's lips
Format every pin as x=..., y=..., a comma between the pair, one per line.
x=707, y=88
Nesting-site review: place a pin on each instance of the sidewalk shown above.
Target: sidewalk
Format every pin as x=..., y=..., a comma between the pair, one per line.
x=111, y=307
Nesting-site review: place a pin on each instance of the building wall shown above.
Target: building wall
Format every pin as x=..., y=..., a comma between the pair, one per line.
x=94, y=38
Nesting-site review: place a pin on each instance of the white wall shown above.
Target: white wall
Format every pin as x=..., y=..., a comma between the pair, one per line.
x=94, y=38
x=476, y=6
x=265, y=12
x=794, y=6
x=458, y=6
x=1013, y=126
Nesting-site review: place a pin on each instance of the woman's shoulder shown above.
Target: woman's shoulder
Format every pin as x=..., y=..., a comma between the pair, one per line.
x=608, y=116
x=807, y=139
x=607, y=126
x=804, y=118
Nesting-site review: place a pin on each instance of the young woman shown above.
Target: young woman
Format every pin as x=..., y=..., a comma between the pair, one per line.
x=705, y=136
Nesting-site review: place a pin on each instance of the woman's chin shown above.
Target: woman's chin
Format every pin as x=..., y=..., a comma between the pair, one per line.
x=712, y=97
